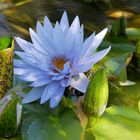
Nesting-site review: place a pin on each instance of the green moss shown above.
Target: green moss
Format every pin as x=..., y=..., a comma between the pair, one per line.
x=8, y=119
x=6, y=65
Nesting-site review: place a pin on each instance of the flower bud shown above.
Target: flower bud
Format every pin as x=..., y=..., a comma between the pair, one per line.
x=96, y=96
x=10, y=116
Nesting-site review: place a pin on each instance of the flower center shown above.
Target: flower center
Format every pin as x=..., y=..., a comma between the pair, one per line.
x=59, y=62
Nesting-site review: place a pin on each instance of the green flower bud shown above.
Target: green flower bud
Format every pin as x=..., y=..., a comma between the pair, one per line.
x=10, y=115
x=6, y=64
x=96, y=96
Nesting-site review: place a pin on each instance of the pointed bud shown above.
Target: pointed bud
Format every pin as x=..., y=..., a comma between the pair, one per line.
x=96, y=96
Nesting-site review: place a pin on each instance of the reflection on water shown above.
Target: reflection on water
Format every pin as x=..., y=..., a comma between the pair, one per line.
x=15, y=20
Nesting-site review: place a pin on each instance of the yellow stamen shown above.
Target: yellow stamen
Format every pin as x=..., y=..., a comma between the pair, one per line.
x=59, y=62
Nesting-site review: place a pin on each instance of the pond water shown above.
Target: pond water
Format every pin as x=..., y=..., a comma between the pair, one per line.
x=16, y=18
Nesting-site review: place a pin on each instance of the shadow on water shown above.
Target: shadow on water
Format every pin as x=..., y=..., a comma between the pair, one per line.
x=15, y=19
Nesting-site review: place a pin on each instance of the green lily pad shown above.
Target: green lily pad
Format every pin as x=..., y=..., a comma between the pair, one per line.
x=118, y=123
x=41, y=123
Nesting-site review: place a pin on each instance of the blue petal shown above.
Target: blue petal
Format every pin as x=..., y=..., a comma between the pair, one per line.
x=40, y=30
x=81, y=83
x=56, y=78
x=67, y=68
x=36, y=41
x=49, y=90
x=34, y=61
x=70, y=43
x=64, y=23
x=75, y=26
x=95, y=43
x=76, y=52
x=21, y=64
x=29, y=49
x=25, y=45
x=45, y=37
x=59, y=40
x=40, y=45
x=21, y=71
x=33, y=95
x=94, y=58
x=85, y=64
x=28, y=58
x=87, y=43
x=32, y=76
x=55, y=99
x=65, y=82
x=41, y=81
x=47, y=25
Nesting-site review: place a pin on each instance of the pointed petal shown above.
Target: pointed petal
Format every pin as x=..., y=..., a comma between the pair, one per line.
x=28, y=58
x=24, y=45
x=85, y=65
x=47, y=25
x=95, y=42
x=55, y=99
x=95, y=57
x=36, y=41
x=44, y=35
x=33, y=95
x=81, y=83
x=21, y=71
x=75, y=26
x=64, y=23
x=21, y=64
x=58, y=39
x=32, y=76
x=87, y=43
x=41, y=81
x=50, y=89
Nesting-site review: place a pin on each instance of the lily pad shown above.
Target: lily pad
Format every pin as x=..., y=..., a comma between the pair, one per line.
x=44, y=124
x=118, y=123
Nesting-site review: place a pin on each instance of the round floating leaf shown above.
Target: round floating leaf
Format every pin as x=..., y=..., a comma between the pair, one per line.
x=118, y=123
x=42, y=124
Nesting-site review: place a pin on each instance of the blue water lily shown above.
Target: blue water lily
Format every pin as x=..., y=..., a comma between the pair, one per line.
x=57, y=58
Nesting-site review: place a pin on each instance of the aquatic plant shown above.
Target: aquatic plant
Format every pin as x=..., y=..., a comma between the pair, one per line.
x=57, y=58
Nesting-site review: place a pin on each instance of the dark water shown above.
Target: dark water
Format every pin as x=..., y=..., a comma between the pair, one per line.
x=15, y=20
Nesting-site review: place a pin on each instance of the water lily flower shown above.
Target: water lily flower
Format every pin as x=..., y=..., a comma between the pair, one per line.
x=57, y=58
